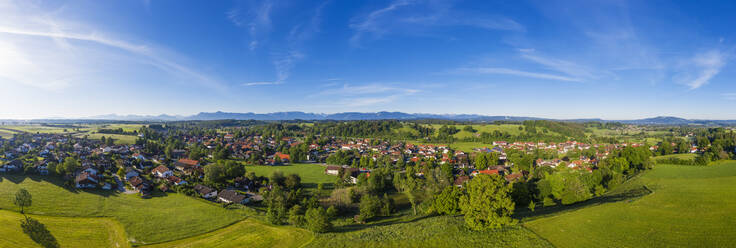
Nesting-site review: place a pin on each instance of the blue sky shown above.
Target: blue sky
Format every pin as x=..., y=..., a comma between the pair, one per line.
x=557, y=59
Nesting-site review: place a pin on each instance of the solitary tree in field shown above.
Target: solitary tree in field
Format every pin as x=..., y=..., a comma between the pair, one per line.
x=22, y=199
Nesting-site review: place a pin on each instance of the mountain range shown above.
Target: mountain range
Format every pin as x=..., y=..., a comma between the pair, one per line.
x=345, y=116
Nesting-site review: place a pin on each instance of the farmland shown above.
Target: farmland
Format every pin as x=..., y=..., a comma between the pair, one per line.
x=87, y=130
x=690, y=206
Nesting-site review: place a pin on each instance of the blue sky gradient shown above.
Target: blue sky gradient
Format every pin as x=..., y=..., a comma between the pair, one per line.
x=555, y=59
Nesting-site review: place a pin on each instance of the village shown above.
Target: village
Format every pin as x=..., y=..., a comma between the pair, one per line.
x=131, y=169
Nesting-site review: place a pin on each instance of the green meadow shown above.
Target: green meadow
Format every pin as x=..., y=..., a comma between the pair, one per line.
x=311, y=174
x=89, y=130
x=687, y=156
x=117, y=138
x=690, y=206
x=161, y=218
x=247, y=233
x=416, y=231
x=68, y=232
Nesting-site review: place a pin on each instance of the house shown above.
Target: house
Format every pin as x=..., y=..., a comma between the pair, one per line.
x=459, y=181
x=139, y=156
x=42, y=169
x=187, y=166
x=253, y=198
x=139, y=184
x=487, y=172
x=130, y=172
x=230, y=196
x=513, y=177
x=90, y=170
x=285, y=158
x=175, y=180
x=162, y=172
x=204, y=191
x=85, y=180
x=333, y=170
x=15, y=165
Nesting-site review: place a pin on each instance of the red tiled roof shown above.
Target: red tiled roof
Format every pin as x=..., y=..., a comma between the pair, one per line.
x=489, y=172
x=283, y=156
x=187, y=161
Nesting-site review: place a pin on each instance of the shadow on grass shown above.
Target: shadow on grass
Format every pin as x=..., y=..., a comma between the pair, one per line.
x=38, y=233
x=628, y=195
x=17, y=178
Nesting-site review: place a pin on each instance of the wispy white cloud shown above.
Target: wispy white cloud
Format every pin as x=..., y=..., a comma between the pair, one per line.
x=408, y=15
x=514, y=72
x=285, y=52
x=548, y=68
x=374, y=88
x=366, y=95
x=25, y=34
x=256, y=18
x=260, y=83
x=569, y=68
x=707, y=66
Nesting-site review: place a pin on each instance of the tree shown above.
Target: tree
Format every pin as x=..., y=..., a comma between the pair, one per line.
x=70, y=165
x=251, y=176
x=214, y=173
x=195, y=152
x=448, y=201
x=387, y=205
x=370, y=206
x=276, y=200
x=293, y=181
x=277, y=178
x=411, y=187
x=487, y=203
x=332, y=212
x=318, y=220
x=22, y=199
x=233, y=169
x=295, y=216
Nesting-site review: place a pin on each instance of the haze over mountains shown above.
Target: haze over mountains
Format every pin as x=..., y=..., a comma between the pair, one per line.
x=345, y=116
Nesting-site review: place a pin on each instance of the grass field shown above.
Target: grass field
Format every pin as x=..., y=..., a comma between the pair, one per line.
x=462, y=146
x=691, y=206
x=159, y=219
x=68, y=232
x=437, y=231
x=247, y=233
x=88, y=130
x=689, y=156
x=125, y=127
x=512, y=129
x=311, y=174
x=118, y=138
x=6, y=134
